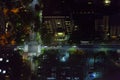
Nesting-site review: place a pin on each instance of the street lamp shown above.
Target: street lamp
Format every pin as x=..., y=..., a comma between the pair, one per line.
x=1, y=59
x=107, y=2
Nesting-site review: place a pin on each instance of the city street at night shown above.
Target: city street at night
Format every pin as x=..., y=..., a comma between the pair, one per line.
x=59, y=39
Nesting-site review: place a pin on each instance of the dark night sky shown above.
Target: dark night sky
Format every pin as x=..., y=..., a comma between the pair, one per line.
x=51, y=5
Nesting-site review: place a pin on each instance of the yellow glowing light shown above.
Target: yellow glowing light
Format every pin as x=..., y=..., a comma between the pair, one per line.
x=60, y=34
x=107, y=2
x=113, y=37
x=5, y=11
x=13, y=42
x=15, y=10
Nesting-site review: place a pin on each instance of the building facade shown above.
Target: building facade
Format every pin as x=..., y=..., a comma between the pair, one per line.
x=91, y=18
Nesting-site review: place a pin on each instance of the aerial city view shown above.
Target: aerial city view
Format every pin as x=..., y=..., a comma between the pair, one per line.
x=59, y=39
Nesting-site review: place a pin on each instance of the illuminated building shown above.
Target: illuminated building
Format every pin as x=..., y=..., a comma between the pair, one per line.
x=56, y=17
x=80, y=18
x=91, y=18
x=58, y=24
x=83, y=15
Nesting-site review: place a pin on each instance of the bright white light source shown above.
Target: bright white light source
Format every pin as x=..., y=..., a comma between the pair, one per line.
x=4, y=71
x=7, y=60
x=0, y=70
x=1, y=59
x=107, y=1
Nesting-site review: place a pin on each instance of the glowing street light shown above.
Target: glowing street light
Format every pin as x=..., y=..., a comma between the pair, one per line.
x=107, y=2
x=1, y=59
x=7, y=60
x=4, y=71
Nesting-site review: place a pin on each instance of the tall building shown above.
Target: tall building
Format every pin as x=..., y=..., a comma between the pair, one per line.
x=59, y=27
x=56, y=19
x=105, y=21
x=58, y=24
x=83, y=15
x=91, y=18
